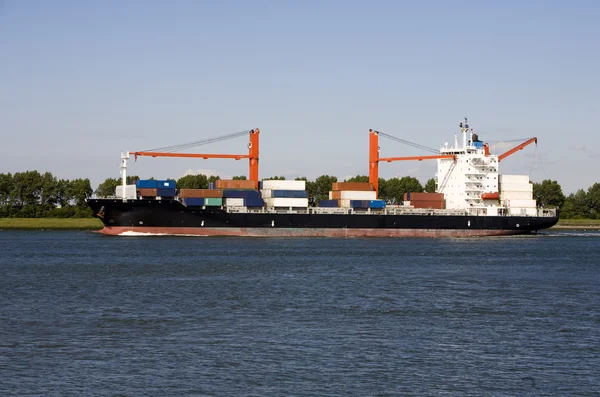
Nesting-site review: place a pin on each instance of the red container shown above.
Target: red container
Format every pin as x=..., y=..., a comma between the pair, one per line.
x=200, y=193
x=146, y=192
x=237, y=184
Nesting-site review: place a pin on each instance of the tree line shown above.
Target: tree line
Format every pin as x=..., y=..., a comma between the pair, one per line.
x=31, y=194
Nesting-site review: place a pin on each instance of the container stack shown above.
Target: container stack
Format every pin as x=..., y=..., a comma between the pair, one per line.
x=358, y=195
x=284, y=194
x=166, y=189
x=201, y=197
x=517, y=193
x=239, y=193
x=147, y=188
x=425, y=200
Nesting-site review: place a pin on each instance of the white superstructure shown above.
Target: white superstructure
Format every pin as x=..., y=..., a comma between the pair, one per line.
x=471, y=180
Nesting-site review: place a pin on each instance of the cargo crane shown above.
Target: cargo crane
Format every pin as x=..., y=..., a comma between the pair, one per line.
x=374, y=158
x=517, y=148
x=171, y=151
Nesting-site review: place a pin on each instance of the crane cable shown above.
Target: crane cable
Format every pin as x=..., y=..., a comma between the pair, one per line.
x=409, y=143
x=183, y=146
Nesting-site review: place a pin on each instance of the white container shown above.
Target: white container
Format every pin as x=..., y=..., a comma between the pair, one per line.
x=286, y=202
x=357, y=195
x=516, y=187
x=516, y=195
x=283, y=185
x=234, y=202
x=130, y=192
x=520, y=203
x=513, y=179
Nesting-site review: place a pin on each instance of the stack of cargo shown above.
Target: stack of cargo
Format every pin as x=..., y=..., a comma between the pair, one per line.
x=234, y=184
x=147, y=188
x=239, y=193
x=517, y=193
x=166, y=189
x=156, y=188
x=425, y=200
x=130, y=192
x=284, y=194
x=360, y=195
x=201, y=197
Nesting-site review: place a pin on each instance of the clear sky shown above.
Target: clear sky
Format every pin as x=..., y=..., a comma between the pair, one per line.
x=82, y=80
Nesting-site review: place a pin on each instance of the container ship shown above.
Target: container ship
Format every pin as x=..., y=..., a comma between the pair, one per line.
x=472, y=199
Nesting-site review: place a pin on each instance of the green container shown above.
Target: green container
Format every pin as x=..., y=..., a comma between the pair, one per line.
x=213, y=202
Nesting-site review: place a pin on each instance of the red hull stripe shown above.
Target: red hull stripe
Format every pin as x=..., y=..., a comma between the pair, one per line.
x=305, y=232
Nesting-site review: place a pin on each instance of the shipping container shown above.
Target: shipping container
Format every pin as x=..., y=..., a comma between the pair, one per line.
x=422, y=196
x=237, y=184
x=166, y=192
x=359, y=203
x=169, y=183
x=286, y=202
x=193, y=201
x=516, y=187
x=518, y=179
x=377, y=204
x=212, y=185
x=437, y=205
x=213, y=202
x=146, y=184
x=282, y=185
x=289, y=193
x=516, y=195
x=207, y=193
x=240, y=193
x=521, y=203
x=328, y=203
x=234, y=202
x=146, y=192
x=254, y=202
x=353, y=195
x=357, y=186
x=130, y=192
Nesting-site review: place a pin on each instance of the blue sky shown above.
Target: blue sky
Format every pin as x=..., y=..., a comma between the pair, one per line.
x=81, y=80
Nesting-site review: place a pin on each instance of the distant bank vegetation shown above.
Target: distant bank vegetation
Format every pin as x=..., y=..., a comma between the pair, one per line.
x=31, y=194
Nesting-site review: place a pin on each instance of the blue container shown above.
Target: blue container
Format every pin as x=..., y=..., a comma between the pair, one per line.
x=359, y=203
x=254, y=202
x=240, y=193
x=289, y=193
x=166, y=192
x=146, y=184
x=193, y=201
x=212, y=185
x=167, y=184
x=328, y=203
x=377, y=204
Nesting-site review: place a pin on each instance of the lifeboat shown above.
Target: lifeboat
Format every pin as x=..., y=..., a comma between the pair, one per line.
x=490, y=196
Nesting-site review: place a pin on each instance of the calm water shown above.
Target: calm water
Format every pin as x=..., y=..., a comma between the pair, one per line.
x=84, y=314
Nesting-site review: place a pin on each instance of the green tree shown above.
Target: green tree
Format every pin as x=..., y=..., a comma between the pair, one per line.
x=5, y=188
x=213, y=178
x=199, y=181
x=80, y=190
x=275, y=178
x=358, y=178
x=548, y=193
x=321, y=187
x=382, y=190
x=430, y=186
x=108, y=187
x=239, y=178
x=593, y=201
x=396, y=187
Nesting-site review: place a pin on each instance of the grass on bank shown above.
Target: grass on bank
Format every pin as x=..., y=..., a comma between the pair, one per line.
x=51, y=223
x=579, y=222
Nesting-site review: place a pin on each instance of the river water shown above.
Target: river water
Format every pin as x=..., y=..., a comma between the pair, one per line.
x=86, y=314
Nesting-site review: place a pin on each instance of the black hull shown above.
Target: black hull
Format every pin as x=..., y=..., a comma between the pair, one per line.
x=172, y=217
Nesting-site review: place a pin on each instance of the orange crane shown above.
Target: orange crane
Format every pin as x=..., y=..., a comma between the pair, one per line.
x=252, y=152
x=374, y=158
x=517, y=148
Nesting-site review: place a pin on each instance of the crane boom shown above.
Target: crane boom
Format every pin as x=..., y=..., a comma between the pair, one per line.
x=517, y=148
x=252, y=155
